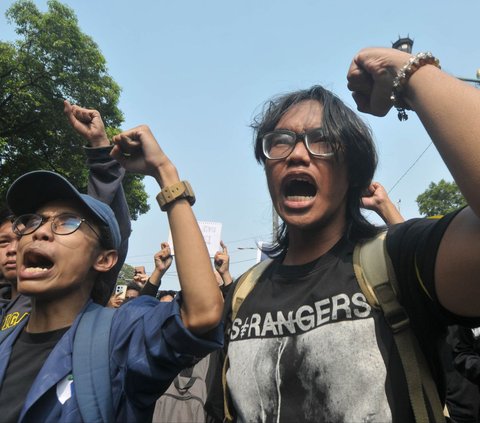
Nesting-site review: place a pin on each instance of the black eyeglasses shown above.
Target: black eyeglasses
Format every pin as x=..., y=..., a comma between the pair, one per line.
x=280, y=143
x=62, y=224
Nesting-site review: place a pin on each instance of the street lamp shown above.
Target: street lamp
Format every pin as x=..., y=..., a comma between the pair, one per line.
x=403, y=44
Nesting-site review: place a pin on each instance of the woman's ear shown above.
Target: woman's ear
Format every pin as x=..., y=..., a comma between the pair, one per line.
x=105, y=260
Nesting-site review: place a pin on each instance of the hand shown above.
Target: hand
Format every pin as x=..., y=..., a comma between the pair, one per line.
x=88, y=123
x=370, y=78
x=163, y=259
x=115, y=301
x=222, y=259
x=375, y=197
x=378, y=200
x=137, y=151
x=140, y=279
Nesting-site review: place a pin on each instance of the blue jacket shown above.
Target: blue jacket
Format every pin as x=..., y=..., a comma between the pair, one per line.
x=148, y=346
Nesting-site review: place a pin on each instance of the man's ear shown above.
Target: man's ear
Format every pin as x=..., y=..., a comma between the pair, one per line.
x=105, y=260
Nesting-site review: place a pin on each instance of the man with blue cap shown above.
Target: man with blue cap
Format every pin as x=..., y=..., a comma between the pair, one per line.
x=68, y=244
x=105, y=178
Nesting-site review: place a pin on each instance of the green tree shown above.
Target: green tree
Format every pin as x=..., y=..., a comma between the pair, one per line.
x=440, y=199
x=52, y=60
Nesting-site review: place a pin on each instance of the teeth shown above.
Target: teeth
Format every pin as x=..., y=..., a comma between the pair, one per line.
x=299, y=197
x=35, y=269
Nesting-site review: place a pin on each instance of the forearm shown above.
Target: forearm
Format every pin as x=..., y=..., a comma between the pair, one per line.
x=226, y=277
x=149, y=289
x=156, y=277
x=389, y=213
x=202, y=300
x=449, y=110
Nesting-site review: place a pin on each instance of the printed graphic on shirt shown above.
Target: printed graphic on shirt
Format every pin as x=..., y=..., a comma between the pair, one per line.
x=476, y=332
x=331, y=373
x=303, y=319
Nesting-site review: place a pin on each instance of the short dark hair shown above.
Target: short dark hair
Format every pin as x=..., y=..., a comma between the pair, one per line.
x=162, y=293
x=347, y=133
x=134, y=286
x=6, y=215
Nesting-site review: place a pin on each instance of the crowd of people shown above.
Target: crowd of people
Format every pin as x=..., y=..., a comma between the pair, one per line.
x=303, y=343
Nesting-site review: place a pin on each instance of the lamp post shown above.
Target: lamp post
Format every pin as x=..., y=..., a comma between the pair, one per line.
x=403, y=44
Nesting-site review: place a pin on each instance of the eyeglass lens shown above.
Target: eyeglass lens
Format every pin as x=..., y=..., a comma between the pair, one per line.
x=279, y=144
x=63, y=224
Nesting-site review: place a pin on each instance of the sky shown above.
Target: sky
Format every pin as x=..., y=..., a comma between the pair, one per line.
x=197, y=72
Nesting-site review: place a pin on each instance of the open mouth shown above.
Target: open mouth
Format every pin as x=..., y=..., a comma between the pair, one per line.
x=299, y=189
x=35, y=262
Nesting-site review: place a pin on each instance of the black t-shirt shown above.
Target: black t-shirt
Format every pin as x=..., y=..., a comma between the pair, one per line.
x=28, y=355
x=306, y=346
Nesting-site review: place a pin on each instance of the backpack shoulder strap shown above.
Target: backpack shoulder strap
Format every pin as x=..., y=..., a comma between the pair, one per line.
x=185, y=373
x=91, y=364
x=243, y=287
x=373, y=267
x=246, y=283
x=376, y=277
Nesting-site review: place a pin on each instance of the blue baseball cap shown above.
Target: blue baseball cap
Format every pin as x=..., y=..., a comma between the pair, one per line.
x=34, y=189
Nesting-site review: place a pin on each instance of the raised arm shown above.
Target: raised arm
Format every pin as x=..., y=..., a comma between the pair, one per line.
x=163, y=260
x=105, y=174
x=138, y=151
x=222, y=264
x=378, y=201
x=449, y=110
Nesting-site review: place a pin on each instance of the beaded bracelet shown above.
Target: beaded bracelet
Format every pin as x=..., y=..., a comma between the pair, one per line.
x=403, y=75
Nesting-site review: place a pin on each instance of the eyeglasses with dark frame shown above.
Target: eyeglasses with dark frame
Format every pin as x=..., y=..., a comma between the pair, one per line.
x=280, y=143
x=62, y=224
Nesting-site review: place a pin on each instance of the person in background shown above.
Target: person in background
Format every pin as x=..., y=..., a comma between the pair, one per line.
x=162, y=259
x=221, y=261
x=115, y=300
x=166, y=295
x=139, y=276
x=133, y=291
x=377, y=200
x=466, y=350
x=17, y=307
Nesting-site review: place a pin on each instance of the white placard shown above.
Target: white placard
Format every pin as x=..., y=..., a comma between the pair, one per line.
x=212, y=234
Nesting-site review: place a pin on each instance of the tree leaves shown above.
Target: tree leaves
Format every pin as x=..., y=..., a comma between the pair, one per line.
x=51, y=61
x=440, y=199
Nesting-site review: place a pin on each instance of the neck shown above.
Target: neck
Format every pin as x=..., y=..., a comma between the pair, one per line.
x=14, y=291
x=306, y=245
x=49, y=315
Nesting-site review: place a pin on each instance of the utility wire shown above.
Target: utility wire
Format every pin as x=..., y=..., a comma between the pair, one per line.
x=410, y=168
